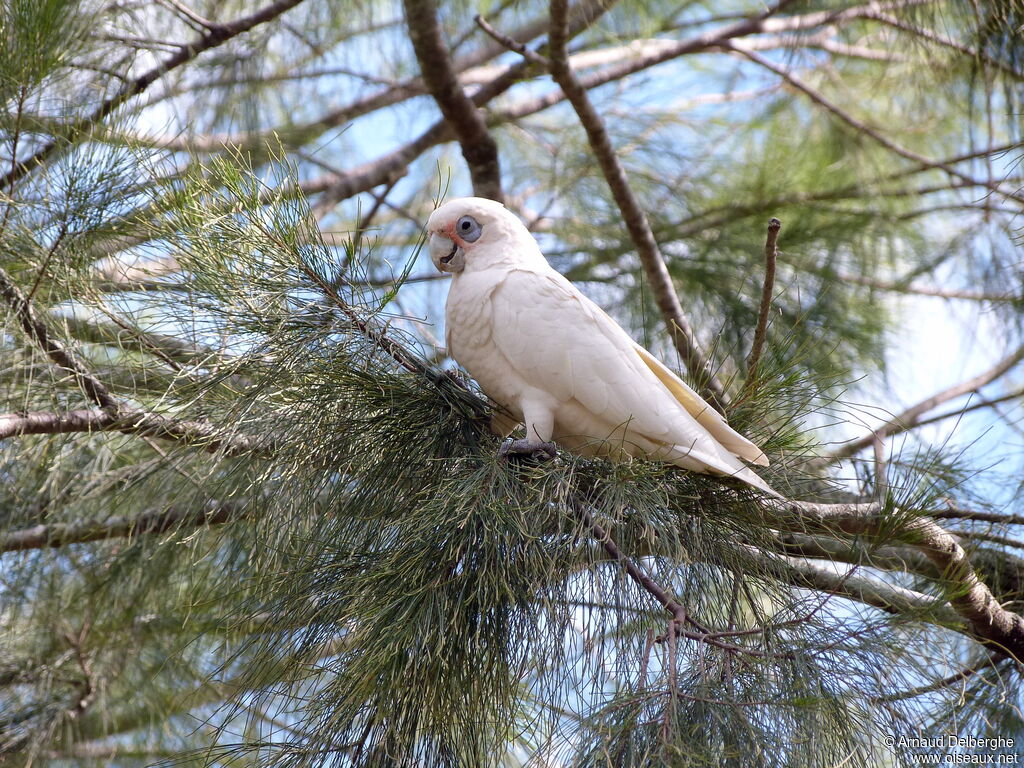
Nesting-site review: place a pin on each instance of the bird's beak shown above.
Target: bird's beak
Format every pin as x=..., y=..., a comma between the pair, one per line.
x=446, y=255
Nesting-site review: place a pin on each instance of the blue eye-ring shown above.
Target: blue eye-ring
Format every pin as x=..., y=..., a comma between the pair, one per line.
x=468, y=229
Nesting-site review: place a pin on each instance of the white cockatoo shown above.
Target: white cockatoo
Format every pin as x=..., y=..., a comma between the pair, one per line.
x=557, y=363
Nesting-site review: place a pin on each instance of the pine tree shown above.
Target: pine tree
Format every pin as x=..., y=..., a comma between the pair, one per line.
x=252, y=514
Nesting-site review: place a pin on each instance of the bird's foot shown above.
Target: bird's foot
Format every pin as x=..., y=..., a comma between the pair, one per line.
x=533, y=449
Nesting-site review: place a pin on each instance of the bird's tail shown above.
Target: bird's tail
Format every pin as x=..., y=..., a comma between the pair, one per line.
x=750, y=477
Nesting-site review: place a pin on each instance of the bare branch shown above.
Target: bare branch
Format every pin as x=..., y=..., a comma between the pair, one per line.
x=191, y=15
x=478, y=146
x=61, y=534
x=955, y=513
x=771, y=254
x=393, y=165
x=955, y=414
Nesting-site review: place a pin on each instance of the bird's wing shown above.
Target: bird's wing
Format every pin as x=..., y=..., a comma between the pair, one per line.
x=708, y=417
x=564, y=344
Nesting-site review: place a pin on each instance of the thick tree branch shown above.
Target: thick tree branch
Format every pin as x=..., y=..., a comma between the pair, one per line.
x=969, y=596
x=856, y=552
x=478, y=146
x=859, y=587
x=217, y=35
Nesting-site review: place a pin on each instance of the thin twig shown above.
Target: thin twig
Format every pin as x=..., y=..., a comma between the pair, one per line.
x=191, y=15
x=771, y=254
x=957, y=677
x=860, y=126
x=513, y=45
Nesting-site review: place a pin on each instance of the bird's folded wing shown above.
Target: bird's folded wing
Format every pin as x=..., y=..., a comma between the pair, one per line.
x=708, y=417
x=562, y=343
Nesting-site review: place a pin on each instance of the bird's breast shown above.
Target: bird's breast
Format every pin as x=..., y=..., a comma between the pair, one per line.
x=469, y=327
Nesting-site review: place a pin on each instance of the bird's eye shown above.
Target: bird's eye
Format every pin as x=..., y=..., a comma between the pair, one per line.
x=469, y=229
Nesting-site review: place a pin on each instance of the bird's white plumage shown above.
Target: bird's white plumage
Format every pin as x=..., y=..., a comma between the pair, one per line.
x=553, y=359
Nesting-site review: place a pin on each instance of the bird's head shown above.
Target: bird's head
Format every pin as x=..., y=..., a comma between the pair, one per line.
x=474, y=233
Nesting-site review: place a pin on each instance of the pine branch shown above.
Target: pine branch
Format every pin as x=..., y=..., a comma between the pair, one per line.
x=133, y=422
x=468, y=67
x=931, y=36
x=218, y=35
x=863, y=128
x=116, y=415
x=968, y=594
x=1017, y=394
x=171, y=349
x=460, y=113
x=674, y=608
x=55, y=535
x=899, y=286
x=911, y=417
x=959, y=676
x=37, y=331
x=388, y=168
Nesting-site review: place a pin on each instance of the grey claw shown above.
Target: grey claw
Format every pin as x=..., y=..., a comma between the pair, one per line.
x=534, y=449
